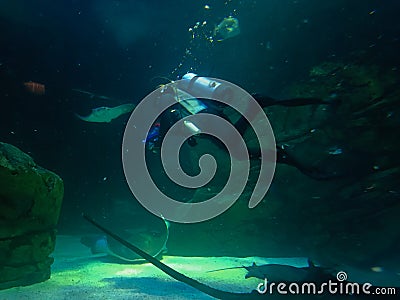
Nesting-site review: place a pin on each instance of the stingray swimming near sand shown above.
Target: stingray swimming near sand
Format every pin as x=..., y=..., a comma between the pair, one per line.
x=107, y=114
x=253, y=271
x=285, y=273
x=154, y=242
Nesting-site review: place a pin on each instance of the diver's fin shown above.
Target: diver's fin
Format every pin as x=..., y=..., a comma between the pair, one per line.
x=175, y=274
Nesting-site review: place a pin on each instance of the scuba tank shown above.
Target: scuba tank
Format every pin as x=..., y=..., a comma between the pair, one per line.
x=192, y=88
x=204, y=87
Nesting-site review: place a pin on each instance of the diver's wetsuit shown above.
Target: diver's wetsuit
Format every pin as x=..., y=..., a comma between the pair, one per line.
x=177, y=112
x=282, y=156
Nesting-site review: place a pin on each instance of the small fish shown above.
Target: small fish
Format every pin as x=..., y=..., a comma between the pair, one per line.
x=213, y=292
x=335, y=150
x=107, y=114
x=35, y=88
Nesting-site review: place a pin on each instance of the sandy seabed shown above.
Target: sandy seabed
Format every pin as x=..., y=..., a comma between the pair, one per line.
x=76, y=274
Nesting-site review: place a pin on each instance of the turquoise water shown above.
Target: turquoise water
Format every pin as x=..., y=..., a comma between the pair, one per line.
x=330, y=75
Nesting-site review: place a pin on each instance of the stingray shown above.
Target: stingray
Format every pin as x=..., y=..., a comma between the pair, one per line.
x=285, y=273
x=173, y=273
x=107, y=114
x=152, y=241
x=219, y=294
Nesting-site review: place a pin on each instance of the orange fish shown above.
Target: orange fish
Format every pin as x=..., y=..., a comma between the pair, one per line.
x=35, y=88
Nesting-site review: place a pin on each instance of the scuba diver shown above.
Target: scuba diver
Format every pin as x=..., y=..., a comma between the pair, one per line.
x=195, y=105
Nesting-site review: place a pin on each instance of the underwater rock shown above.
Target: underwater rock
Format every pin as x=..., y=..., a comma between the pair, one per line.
x=30, y=203
x=327, y=69
x=353, y=220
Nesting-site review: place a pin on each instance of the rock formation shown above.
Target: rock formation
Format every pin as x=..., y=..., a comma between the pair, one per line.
x=30, y=203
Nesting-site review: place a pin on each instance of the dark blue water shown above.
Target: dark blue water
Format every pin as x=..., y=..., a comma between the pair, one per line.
x=124, y=49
